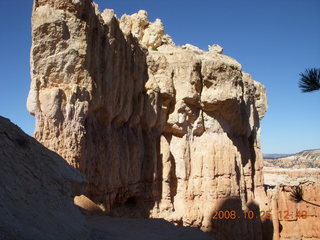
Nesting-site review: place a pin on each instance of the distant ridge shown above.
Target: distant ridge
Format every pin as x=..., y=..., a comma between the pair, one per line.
x=276, y=155
x=303, y=159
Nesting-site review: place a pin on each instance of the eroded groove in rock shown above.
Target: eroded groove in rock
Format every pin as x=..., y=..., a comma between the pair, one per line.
x=159, y=130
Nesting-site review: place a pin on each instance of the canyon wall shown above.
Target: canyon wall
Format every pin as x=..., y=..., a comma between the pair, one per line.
x=159, y=130
x=295, y=220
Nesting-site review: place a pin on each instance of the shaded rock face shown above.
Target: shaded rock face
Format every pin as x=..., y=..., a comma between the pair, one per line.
x=36, y=190
x=158, y=130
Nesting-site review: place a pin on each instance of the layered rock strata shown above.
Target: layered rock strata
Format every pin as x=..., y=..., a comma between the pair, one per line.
x=159, y=130
x=305, y=160
x=37, y=188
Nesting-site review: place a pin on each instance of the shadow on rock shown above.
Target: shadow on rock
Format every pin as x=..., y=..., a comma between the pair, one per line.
x=230, y=221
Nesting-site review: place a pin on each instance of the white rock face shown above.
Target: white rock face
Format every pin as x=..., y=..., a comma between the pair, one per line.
x=37, y=188
x=158, y=130
x=215, y=48
x=150, y=35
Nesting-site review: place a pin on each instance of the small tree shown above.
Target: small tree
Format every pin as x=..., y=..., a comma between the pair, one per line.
x=296, y=195
x=310, y=80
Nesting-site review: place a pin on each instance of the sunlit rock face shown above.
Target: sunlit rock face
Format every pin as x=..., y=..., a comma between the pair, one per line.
x=158, y=130
x=295, y=220
x=281, y=175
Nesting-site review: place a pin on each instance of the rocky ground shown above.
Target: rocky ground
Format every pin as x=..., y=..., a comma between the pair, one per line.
x=112, y=228
x=109, y=228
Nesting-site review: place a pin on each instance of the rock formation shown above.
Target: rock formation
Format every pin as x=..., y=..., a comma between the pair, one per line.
x=158, y=130
x=36, y=190
x=295, y=220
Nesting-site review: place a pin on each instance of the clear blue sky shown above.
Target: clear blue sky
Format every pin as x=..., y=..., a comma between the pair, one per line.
x=274, y=41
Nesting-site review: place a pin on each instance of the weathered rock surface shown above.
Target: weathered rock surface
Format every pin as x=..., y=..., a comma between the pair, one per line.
x=87, y=206
x=296, y=220
x=36, y=190
x=280, y=175
x=158, y=130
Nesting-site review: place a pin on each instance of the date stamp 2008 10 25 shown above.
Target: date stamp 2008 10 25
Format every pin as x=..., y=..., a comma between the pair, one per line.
x=232, y=215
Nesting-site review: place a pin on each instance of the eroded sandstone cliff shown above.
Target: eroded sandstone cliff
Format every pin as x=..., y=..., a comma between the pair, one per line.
x=159, y=130
x=295, y=220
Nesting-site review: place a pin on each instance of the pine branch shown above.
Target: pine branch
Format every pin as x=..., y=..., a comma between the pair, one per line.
x=310, y=80
x=296, y=196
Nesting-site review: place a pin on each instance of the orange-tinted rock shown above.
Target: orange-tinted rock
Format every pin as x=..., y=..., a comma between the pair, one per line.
x=88, y=206
x=297, y=220
x=158, y=130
